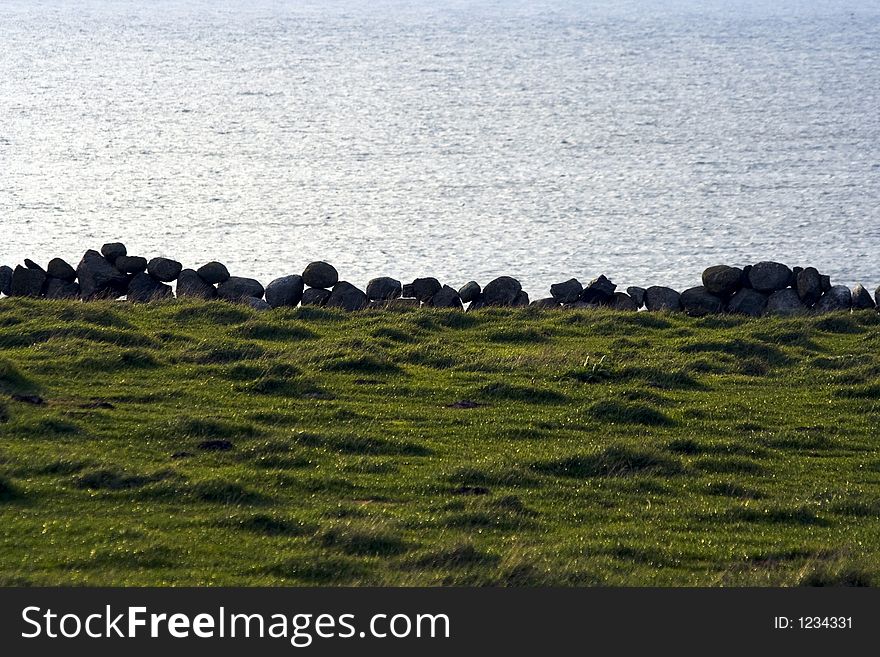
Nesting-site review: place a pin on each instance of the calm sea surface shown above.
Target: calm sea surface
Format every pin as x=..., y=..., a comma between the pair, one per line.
x=541, y=139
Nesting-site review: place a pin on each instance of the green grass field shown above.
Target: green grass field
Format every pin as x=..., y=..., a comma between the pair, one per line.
x=208, y=444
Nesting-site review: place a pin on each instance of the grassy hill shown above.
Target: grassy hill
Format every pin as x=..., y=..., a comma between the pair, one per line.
x=206, y=444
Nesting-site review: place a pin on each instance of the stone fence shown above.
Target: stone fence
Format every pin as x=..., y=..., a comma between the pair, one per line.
x=764, y=288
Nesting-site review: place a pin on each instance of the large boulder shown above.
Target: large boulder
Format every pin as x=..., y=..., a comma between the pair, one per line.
x=477, y=303
x=164, y=269
x=698, y=301
x=320, y=274
x=236, y=288
x=383, y=288
x=785, y=302
x=424, y=289
x=143, y=288
x=190, y=284
x=6, y=280
x=27, y=282
x=447, y=297
x=98, y=278
x=56, y=288
x=30, y=264
x=522, y=299
x=315, y=296
x=213, y=273
x=131, y=264
x=637, y=294
x=346, y=296
x=826, y=282
x=469, y=291
x=839, y=297
x=568, y=291
x=408, y=291
x=861, y=298
x=769, y=276
x=549, y=302
x=747, y=302
x=722, y=280
x=113, y=250
x=876, y=295
x=58, y=268
x=809, y=285
x=286, y=291
x=622, y=301
x=662, y=298
x=599, y=291
x=256, y=304
x=501, y=291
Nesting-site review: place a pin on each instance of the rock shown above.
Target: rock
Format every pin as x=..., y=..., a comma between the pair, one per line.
x=383, y=288
x=722, y=280
x=624, y=302
x=255, y=303
x=637, y=294
x=447, y=297
x=599, y=290
x=809, y=286
x=785, y=302
x=549, y=302
x=30, y=264
x=747, y=302
x=113, y=250
x=839, y=297
x=502, y=291
x=27, y=282
x=403, y=303
x=424, y=289
x=143, y=288
x=346, y=296
x=744, y=281
x=769, y=276
x=190, y=284
x=56, y=288
x=876, y=296
x=59, y=268
x=213, y=273
x=698, y=301
x=98, y=278
x=315, y=296
x=522, y=299
x=131, y=264
x=477, y=303
x=826, y=282
x=795, y=272
x=286, y=291
x=568, y=291
x=662, y=298
x=861, y=298
x=236, y=288
x=320, y=274
x=407, y=291
x=6, y=280
x=469, y=291
x=164, y=269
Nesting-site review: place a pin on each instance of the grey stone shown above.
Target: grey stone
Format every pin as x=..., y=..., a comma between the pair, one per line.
x=744, y=281
x=346, y=296
x=839, y=297
x=522, y=299
x=599, y=290
x=809, y=286
x=113, y=250
x=213, y=272
x=58, y=268
x=861, y=298
x=698, y=302
x=315, y=296
x=826, y=282
x=469, y=291
x=6, y=280
x=769, y=276
x=27, y=282
x=383, y=289
x=57, y=288
x=236, y=288
x=286, y=291
x=722, y=280
x=747, y=302
x=256, y=304
x=447, y=297
x=164, y=269
x=549, y=302
x=502, y=291
x=568, y=291
x=662, y=298
x=190, y=284
x=320, y=274
x=30, y=264
x=785, y=302
x=623, y=302
x=425, y=288
x=98, y=278
x=143, y=288
x=408, y=291
x=637, y=294
x=131, y=264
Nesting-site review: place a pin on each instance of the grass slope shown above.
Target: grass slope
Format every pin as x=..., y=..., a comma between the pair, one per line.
x=206, y=444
